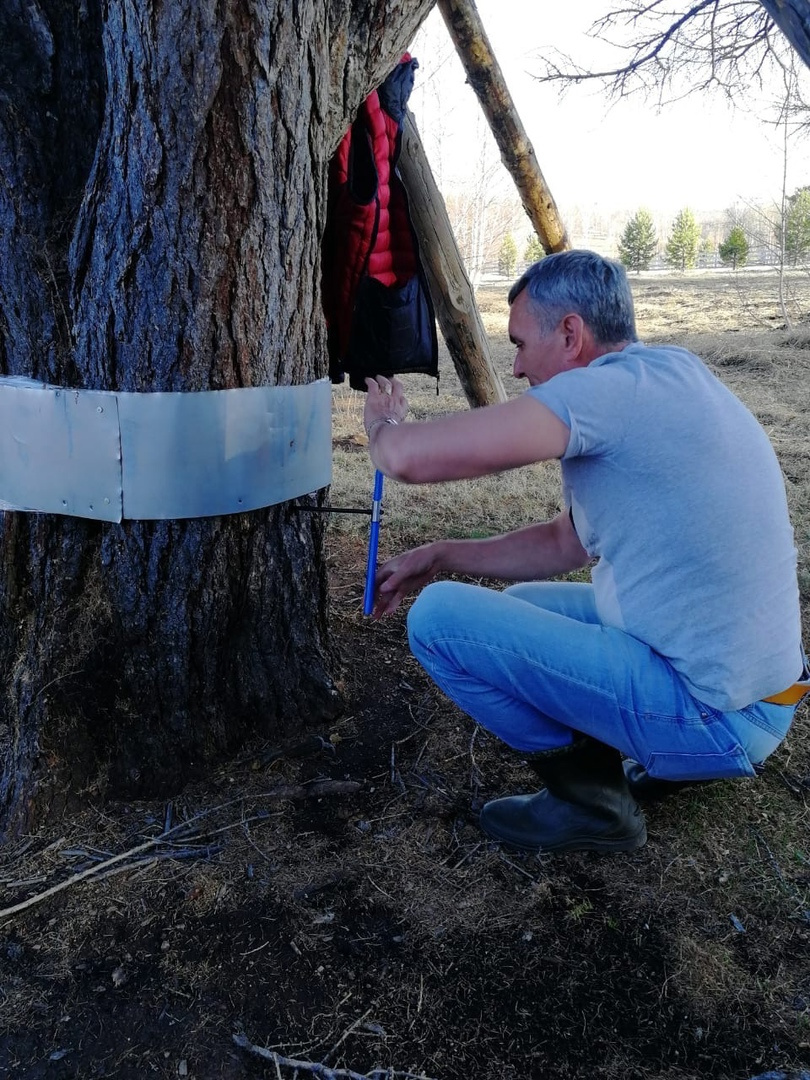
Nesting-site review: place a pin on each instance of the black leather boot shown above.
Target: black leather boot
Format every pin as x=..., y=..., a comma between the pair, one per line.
x=586, y=804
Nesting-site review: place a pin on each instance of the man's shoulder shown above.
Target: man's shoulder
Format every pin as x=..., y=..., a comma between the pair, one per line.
x=668, y=368
x=638, y=352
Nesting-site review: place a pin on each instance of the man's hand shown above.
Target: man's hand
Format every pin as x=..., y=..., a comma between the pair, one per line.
x=385, y=401
x=404, y=574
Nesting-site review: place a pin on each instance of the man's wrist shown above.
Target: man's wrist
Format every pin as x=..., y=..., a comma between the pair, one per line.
x=440, y=562
x=379, y=422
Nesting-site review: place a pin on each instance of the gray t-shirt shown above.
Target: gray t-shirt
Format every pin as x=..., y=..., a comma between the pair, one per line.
x=676, y=490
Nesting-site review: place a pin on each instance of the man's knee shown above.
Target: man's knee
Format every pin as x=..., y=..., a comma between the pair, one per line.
x=434, y=607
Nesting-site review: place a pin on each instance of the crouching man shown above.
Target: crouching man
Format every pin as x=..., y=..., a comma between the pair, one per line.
x=684, y=653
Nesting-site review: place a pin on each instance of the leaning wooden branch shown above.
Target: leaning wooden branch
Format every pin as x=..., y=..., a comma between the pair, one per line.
x=289, y=791
x=319, y=1069
x=486, y=78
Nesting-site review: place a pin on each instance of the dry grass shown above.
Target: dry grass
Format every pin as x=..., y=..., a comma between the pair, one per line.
x=378, y=929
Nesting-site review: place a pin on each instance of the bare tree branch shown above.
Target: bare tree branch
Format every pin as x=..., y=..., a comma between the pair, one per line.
x=677, y=49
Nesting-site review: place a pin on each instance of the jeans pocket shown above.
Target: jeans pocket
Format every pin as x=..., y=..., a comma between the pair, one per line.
x=679, y=765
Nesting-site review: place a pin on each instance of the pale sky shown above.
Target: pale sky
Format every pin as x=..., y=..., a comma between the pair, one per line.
x=699, y=153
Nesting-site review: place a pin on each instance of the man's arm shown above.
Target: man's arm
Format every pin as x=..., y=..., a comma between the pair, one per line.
x=530, y=554
x=461, y=445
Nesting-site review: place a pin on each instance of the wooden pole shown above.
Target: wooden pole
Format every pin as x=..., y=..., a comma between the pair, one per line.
x=450, y=288
x=485, y=77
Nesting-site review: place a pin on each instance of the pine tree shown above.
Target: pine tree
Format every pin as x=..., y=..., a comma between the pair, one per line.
x=734, y=249
x=507, y=256
x=638, y=243
x=534, y=250
x=682, y=246
x=797, y=227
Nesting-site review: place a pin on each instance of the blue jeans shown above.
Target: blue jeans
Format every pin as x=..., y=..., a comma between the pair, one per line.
x=533, y=664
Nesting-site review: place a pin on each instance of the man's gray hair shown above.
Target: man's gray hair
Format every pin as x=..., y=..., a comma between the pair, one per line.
x=585, y=283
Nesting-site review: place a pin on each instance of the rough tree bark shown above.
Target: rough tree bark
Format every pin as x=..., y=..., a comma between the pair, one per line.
x=162, y=199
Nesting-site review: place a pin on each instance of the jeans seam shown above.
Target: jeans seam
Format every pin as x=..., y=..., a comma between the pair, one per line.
x=762, y=725
x=535, y=663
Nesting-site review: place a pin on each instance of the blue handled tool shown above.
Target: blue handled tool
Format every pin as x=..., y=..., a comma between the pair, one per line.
x=373, y=540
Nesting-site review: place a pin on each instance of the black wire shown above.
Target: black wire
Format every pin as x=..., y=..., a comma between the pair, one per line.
x=333, y=510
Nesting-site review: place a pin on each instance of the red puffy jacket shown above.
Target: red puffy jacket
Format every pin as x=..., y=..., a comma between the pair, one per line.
x=375, y=297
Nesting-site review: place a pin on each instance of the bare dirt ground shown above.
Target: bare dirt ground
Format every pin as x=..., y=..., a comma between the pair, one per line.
x=332, y=901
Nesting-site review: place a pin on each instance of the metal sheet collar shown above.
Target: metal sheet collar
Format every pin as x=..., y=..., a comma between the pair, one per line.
x=107, y=455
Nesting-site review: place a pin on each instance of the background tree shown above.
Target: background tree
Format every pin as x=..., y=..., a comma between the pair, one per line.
x=162, y=197
x=684, y=240
x=734, y=249
x=707, y=252
x=471, y=208
x=507, y=256
x=638, y=243
x=766, y=225
x=534, y=250
x=791, y=107
x=728, y=45
x=797, y=227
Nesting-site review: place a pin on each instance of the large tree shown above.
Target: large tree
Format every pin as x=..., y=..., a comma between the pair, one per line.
x=162, y=201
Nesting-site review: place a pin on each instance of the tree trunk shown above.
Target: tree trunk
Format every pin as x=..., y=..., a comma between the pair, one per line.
x=162, y=200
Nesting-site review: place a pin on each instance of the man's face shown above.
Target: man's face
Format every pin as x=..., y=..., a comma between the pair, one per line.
x=538, y=356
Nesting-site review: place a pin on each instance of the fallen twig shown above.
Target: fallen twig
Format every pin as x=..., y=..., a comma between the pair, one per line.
x=464, y=858
x=27, y=881
x=319, y=1069
x=289, y=791
x=352, y=1027
x=797, y=786
x=76, y=878
x=475, y=773
x=515, y=866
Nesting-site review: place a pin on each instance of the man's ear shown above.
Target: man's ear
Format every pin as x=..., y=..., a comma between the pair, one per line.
x=572, y=327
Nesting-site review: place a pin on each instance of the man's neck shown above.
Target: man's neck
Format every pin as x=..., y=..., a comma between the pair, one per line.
x=592, y=350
